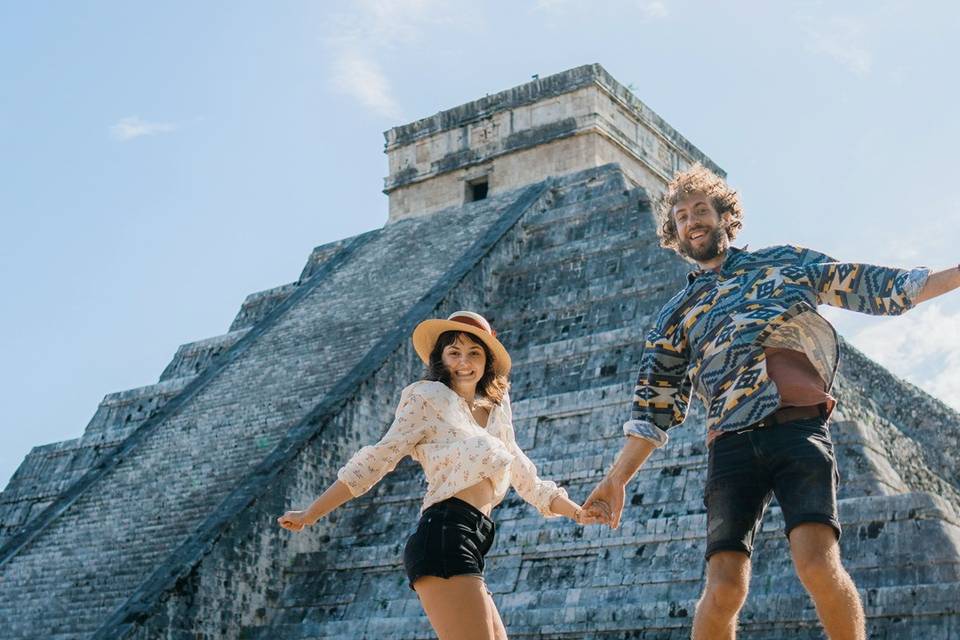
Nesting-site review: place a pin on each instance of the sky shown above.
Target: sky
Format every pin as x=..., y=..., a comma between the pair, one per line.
x=161, y=161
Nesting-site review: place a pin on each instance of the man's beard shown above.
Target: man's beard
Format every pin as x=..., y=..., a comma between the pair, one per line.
x=717, y=243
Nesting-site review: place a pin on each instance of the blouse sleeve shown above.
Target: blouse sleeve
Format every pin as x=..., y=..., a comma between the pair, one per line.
x=368, y=465
x=523, y=474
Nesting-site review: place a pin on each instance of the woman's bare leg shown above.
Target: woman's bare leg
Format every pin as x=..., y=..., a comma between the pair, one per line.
x=459, y=608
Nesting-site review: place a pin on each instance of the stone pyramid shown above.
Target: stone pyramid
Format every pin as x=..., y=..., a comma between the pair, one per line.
x=533, y=207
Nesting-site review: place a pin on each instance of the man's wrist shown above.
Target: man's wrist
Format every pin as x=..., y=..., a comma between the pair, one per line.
x=618, y=475
x=634, y=453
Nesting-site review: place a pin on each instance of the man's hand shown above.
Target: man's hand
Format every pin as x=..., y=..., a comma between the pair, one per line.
x=606, y=502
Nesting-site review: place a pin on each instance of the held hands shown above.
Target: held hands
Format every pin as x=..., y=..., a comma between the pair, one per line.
x=294, y=520
x=605, y=503
x=584, y=517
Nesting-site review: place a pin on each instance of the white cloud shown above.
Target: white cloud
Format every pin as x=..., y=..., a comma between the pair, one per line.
x=841, y=39
x=361, y=38
x=653, y=9
x=922, y=346
x=928, y=235
x=133, y=127
x=361, y=78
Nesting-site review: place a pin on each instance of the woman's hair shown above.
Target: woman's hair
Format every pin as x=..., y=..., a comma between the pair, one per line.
x=697, y=179
x=491, y=386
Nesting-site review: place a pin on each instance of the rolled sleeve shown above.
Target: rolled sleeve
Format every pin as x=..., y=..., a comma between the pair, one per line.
x=915, y=281
x=647, y=431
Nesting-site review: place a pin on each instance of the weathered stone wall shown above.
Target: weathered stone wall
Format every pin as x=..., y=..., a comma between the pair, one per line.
x=49, y=470
x=919, y=434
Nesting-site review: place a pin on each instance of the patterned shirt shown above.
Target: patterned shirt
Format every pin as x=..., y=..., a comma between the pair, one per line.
x=434, y=426
x=710, y=337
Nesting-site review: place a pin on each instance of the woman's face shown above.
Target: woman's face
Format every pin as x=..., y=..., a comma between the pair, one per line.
x=465, y=360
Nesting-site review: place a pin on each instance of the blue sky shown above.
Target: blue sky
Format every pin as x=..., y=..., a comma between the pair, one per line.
x=160, y=161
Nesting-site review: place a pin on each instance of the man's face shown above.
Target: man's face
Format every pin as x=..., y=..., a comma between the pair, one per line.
x=699, y=232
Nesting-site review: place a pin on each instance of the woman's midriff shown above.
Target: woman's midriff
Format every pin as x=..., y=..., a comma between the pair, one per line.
x=479, y=495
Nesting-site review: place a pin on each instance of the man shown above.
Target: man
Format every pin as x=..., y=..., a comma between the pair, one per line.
x=745, y=336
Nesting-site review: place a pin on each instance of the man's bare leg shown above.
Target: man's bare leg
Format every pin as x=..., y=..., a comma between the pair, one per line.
x=816, y=556
x=728, y=578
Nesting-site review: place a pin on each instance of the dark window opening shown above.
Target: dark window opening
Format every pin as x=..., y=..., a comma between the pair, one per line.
x=477, y=190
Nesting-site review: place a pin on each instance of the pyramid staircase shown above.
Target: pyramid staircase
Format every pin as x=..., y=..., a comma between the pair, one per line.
x=572, y=307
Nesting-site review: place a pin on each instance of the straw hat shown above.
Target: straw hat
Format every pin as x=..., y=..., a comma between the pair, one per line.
x=426, y=334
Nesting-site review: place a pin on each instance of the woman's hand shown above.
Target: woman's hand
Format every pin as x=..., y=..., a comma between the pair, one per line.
x=337, y=494
x=564, y=506
x=294, y=520
x=584, y=517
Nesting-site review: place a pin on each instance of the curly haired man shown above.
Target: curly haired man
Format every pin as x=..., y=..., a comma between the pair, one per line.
x=744, y=335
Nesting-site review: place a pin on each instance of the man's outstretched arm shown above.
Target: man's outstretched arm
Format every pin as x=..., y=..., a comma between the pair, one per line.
x=866, y=288
x=938, y=284
x=660, y=402
x=606, y=500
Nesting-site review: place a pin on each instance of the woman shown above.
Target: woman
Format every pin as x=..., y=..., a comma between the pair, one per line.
x=457, y=424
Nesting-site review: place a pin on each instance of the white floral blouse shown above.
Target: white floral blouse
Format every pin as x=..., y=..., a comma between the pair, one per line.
x=434, y=426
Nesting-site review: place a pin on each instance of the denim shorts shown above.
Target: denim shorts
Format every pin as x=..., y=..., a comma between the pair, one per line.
x=794, y=461
x=451, y=539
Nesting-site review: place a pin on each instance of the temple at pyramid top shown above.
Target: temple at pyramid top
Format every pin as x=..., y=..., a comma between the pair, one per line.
x=575, y=120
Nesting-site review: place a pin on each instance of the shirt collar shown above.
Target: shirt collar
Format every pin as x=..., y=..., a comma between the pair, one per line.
x=732, y=256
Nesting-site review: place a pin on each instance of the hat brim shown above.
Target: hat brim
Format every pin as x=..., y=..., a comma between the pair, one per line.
x=426, y=334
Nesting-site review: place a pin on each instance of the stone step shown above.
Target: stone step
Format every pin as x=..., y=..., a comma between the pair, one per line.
x=595, y=305
x=592, y=224
x=647, y=291
x=192, y=358
x=628, y=613
x=586, y=251
x=50, y=469
x=576, y=214
x=568, y=271
x=592, y=229
x=319, y=256
x=121, y=411
x=917, y=539
x=771, y=617
x=257, y=305
x=594, y=359
x=599, y=341
x=572, y=195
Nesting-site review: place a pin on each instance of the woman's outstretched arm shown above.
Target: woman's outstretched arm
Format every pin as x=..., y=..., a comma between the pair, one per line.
x=367, y=466
x=335, y=496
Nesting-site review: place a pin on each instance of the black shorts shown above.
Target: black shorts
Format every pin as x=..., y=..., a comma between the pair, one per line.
x=451, y=539
x=794, y=461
